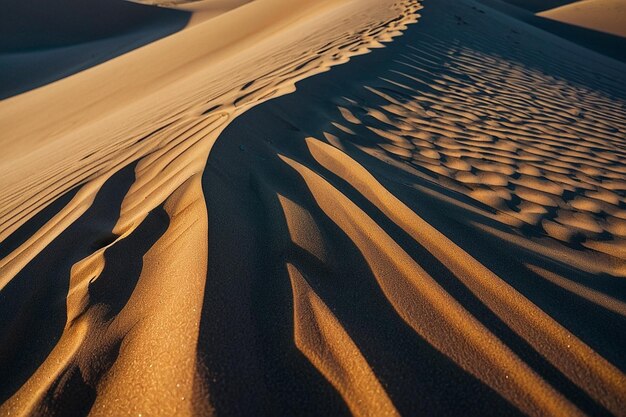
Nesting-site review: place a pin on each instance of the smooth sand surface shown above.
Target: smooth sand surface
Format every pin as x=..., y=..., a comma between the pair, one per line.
x=539, y=5
x=435, y=227
x=607, y=16
x=42, y=41
x=530, y=11
x=201, y=9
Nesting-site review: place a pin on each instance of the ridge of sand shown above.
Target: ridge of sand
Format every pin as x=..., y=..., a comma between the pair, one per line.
x=474, y=189
x=434, y=228
x=201, y=9
x=132, y=136
x=607, y=16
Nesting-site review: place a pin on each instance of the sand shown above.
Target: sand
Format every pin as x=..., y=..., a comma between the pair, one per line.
x=532, y=12
x=538, y=5
x=208, y=225
x=42, y=41
x=602, y=15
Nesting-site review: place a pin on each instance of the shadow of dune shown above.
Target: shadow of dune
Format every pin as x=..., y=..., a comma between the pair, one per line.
x=44, y=41
x=245, y=343
x=70, y=392
x=25, y=231
x=33, y=303
x=124, y=262
x=417, y=377
x=245, y=177
x=538, y=5
x=41, y=24
x=607, y=44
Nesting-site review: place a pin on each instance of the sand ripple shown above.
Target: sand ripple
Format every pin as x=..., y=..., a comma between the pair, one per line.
x=436, y=228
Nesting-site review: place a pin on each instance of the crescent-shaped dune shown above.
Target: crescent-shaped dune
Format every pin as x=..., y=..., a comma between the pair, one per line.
x=318, y=207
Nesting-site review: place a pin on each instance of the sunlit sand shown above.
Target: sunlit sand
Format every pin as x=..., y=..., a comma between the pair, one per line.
x=313, y=207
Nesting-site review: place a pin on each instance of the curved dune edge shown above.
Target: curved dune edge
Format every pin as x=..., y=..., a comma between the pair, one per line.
x=201, y=10
x=606, y=16
x=145, y=336
x=476, y=190
x=44, y=41
x=350, y=193
x=320, y=336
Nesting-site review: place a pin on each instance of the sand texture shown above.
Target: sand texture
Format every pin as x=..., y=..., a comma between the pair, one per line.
x=602, y=15
x=316, y=207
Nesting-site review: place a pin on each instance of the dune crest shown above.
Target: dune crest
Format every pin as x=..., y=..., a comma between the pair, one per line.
x=607, y=16
x=434, y=228
x=473, y=189
x=140, y=327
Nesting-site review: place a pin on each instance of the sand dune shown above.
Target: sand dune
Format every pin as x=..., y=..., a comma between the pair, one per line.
x=436, y=227
x=42, y=41
x=85, y=139
x=201, y=9
x=602, y=15
x=539, y=5
x=531, y=13
x=36, y=24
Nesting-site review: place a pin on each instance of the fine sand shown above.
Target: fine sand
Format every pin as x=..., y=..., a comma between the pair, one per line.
x=436, y=227
x=42, y=41
x=607, y=16
x=532, y=12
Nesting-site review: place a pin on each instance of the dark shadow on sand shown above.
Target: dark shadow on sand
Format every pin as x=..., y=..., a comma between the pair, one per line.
x=42, y=41
x=33, y=304
x=248, y=317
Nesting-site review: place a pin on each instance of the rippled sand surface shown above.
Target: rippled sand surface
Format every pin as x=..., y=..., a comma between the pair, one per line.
x=437, y=226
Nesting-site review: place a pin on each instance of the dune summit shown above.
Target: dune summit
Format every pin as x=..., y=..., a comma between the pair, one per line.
x=321, y=207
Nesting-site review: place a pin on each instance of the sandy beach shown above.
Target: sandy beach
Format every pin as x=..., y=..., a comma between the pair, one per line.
x=313, y=207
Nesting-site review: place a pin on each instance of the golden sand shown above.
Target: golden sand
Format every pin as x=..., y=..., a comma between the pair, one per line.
x=437, y=227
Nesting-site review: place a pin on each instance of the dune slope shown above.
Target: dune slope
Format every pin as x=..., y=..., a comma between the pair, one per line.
x=42, y=41
x=122, y=146
x=607, y=16
x=433, y=228
x=456, y=204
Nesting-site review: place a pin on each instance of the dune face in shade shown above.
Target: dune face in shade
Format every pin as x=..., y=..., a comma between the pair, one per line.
x=539, y=5
x=202, y=9
x=318, y=207
x=37, y=24
x=124, y=341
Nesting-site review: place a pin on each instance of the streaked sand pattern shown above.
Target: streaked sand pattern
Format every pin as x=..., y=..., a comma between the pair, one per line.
x=435, y=227
x=601, y=15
